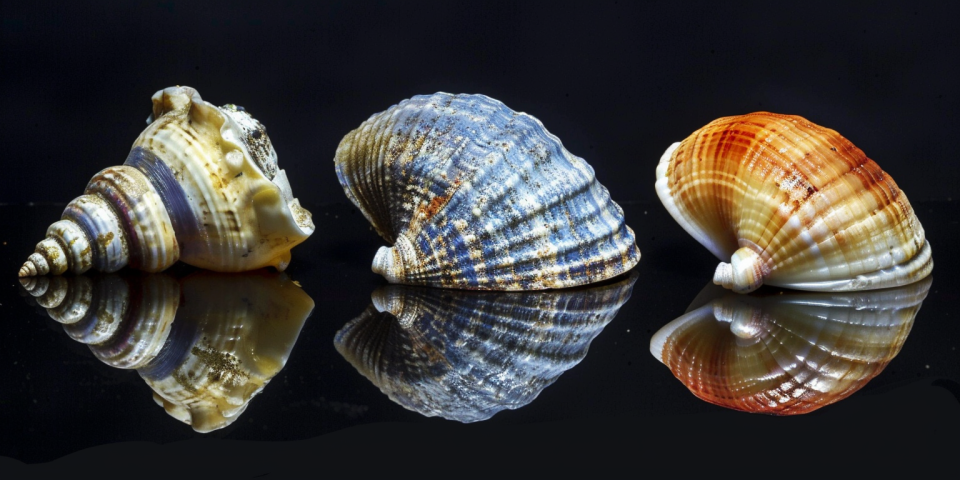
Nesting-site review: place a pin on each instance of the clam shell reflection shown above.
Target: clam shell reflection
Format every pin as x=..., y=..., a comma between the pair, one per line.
x=206, y=344
x=790, y=352
x=466, y=355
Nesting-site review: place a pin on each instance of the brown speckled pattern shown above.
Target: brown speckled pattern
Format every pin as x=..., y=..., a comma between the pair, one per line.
x=483, y=196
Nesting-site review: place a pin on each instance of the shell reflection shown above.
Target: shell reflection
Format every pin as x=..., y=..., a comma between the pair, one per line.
x=466, y=355
x=206, y=344
x=786, y=353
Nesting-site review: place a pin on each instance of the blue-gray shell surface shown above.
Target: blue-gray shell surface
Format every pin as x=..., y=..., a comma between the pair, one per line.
x=474, y=195
x=466, y=355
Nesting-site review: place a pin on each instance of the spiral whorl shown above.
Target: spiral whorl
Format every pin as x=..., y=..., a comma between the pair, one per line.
x=200, y=184
x=119, y=220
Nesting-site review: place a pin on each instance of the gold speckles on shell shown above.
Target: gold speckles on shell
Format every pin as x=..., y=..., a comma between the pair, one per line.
x=792, y=204
x=474, y=195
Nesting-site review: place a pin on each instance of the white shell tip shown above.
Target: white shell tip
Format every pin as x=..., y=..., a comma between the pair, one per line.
x=385, y=263
x=28, y=269
x=35, y=265
x=743, y=274
x=723, y=276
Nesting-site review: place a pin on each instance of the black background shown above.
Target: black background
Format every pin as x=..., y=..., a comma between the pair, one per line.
x=617, y=82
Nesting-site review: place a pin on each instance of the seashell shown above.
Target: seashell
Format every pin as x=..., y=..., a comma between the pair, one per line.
x=200, y=185
x=467, y=355
x=788, y=353
x=791, y=204
x=206, y=344
x=473, y=195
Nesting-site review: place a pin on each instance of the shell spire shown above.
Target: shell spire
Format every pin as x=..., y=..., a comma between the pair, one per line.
x=201, y=185
x=782, y=201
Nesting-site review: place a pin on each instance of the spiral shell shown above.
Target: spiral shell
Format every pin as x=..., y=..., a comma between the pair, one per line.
x=467, y=355
x=206, y=344
x=791, y=204
x=201, y=185
x=790, y=352
x=473, y=195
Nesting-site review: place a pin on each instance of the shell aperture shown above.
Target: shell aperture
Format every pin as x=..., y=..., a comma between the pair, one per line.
x=206, y=344
x=787, y=352
x=474, y=195
x=200, y=184
x=466, y=355
x=791, y=204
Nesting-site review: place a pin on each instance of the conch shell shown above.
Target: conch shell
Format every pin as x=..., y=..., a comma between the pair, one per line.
x=473, y=195
x=206, y=344
x=466, y=355
x=791, y=204
x=200, y=185
x=786, y=353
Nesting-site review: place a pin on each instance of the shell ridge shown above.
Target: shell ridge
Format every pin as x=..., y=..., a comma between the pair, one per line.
x=351, y=195
x=819, y=209
x=182, y=218
x=880, y=234
x=497, y=262
x=426, y=117
x=462, y=165
x=168, y=130
x=485, y=196
x=466, y=169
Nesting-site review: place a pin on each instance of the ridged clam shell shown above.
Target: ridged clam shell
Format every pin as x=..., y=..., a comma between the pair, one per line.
x=465, y=355
x=473, y=195
x=206, y=344
x=201, y=185
x=792, y=204
x=788, y=353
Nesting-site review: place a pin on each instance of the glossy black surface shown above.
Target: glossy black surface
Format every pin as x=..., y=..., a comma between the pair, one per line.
x=616, y=81
x=58, y=399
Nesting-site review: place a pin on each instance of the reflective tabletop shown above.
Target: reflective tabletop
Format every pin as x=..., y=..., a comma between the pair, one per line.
x=326, y=362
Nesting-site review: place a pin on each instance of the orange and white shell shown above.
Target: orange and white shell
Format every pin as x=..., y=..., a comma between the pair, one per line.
x=792, y=204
